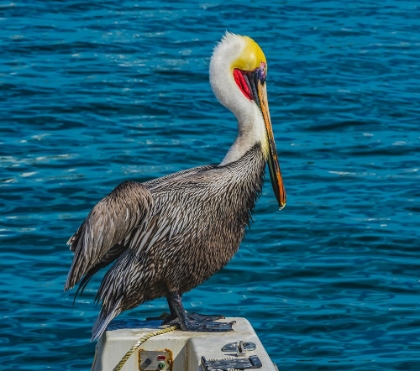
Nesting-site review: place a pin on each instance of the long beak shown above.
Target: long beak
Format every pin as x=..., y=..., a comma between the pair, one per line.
x=259, y=91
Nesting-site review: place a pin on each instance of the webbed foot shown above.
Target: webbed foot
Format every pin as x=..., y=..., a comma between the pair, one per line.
x=193, y=321
x=207, y=326
x=172, y=320
x=204, y=317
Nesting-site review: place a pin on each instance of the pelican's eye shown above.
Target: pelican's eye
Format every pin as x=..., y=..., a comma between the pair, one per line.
x=262, y=72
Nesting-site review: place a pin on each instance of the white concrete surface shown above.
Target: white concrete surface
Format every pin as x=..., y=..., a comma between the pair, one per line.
x=187, y=347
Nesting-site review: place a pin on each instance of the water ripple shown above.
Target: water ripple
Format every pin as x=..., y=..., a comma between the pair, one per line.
x=94, y=93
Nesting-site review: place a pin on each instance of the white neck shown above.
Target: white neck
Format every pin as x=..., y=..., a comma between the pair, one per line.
x=251, y=128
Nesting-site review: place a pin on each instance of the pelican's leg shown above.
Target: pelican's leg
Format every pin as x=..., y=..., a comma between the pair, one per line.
x=194, y=321
x=172, y=319
x=168, y=318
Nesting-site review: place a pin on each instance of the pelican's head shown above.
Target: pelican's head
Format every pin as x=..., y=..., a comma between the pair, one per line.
x=238, y=70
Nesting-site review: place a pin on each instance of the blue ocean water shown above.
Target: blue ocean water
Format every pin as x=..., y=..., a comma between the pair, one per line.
x=96, y=92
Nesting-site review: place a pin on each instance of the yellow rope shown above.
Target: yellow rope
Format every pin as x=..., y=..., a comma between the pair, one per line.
x=140, y=342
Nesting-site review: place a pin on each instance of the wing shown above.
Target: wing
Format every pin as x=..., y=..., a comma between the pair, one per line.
x=110, y=221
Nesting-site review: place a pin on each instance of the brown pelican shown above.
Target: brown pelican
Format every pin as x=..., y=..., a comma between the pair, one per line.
x=170, y=234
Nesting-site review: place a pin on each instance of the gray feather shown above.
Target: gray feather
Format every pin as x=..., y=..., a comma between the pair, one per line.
x=173, y=233
x=110, y=221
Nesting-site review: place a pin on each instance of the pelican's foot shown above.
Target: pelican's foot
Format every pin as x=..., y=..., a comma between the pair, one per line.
x=204, y=317
x=207, y=326
x=194, y=321
x=192, y=317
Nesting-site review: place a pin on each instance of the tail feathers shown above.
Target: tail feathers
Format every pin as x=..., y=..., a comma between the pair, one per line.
x=103, y=320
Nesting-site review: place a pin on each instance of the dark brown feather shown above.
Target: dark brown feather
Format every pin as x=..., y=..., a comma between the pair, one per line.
x=180, y=230
x=110, y=221
x=193, y=229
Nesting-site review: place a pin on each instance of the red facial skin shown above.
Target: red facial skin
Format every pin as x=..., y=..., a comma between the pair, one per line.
x=240, y=81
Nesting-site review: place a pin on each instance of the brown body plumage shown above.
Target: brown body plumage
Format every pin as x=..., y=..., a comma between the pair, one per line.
x=168, y=235
x=178, y=231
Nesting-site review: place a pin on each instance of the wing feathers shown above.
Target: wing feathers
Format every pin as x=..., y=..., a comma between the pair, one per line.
x=109, y=222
